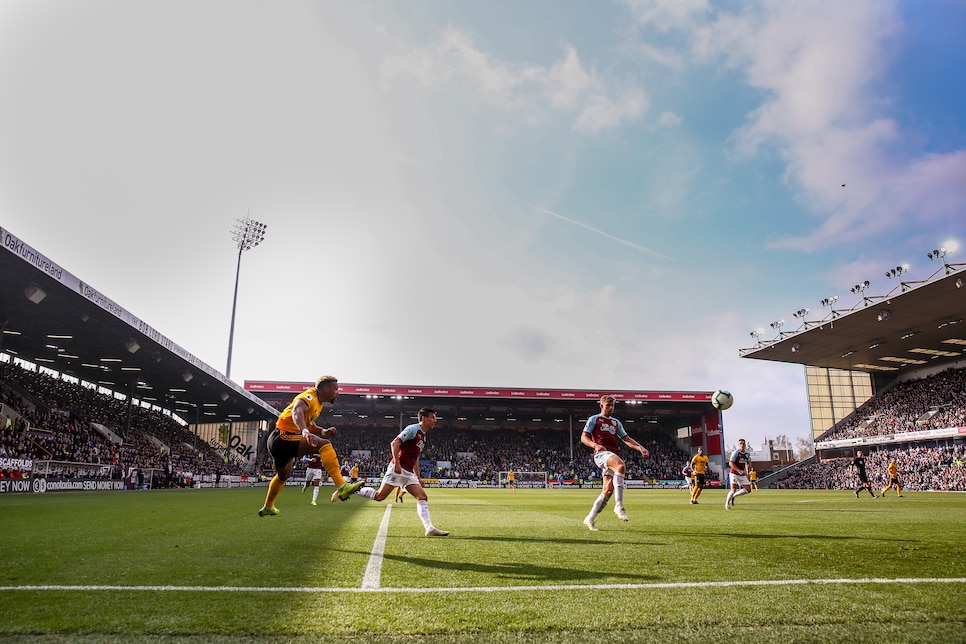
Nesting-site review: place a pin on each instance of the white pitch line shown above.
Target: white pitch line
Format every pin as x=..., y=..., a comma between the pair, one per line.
x=370, y=580
x=500, y=589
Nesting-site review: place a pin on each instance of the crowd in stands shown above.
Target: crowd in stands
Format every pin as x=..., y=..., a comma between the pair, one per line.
x=935, y=402
x=55, y=422
x=920, y=468
x=54, y=418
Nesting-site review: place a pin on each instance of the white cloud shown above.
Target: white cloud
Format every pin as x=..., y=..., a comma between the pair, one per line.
x=568, y=86
x=820, y=68
x=668, y=119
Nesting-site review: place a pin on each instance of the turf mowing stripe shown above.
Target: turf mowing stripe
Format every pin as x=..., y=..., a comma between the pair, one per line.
x=370, y=580
x=500, y=589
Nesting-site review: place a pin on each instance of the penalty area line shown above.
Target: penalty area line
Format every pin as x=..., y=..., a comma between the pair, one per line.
x=500, y=589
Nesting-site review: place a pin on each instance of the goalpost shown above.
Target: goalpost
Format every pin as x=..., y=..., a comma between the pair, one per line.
x=524, y=479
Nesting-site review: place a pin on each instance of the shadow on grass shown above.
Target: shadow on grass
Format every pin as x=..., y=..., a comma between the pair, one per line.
x=520, y=571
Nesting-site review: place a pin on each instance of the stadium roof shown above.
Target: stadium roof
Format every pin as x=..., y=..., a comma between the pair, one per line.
x=915, y=326
x=53, y=319
x=505, y=407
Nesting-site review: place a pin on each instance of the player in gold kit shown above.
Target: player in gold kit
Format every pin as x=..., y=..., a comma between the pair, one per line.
x=296, y=435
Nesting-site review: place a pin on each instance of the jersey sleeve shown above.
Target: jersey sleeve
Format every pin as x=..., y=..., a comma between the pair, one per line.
x=409, y=433
x=621, y=433
x=589, y=425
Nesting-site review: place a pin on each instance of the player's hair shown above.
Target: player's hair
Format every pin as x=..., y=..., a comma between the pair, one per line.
x=607, y=397
x=424, y=412
x=324, y=380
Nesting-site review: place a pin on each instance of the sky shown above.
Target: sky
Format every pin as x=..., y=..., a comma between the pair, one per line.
x=550, y=194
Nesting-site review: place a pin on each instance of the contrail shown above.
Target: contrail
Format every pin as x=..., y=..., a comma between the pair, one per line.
x=601, y=232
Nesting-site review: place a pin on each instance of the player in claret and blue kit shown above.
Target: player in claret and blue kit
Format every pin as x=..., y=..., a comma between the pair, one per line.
x=600, y=434
x=740, y=484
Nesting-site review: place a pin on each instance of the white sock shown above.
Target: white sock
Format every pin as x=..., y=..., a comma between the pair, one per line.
x=618, y=492
x=731, y=495
x=741, y=491
x=315, y=493
x=422, y=509
x=598, y=506
x=368, y=492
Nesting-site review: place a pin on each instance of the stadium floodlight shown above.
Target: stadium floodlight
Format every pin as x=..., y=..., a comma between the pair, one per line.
x=940, y=254
x=897, y=271
x=248, y=234
x=860, y=287
x=829, y=301
x=800, y=313
x=777, y=324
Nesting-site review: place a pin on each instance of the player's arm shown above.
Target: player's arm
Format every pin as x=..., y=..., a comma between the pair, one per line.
x=633, y=444
x=396, y=449
x=588, y=440
x=737, y=468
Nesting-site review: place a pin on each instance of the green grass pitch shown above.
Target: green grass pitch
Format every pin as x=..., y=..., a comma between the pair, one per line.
x=200, y=565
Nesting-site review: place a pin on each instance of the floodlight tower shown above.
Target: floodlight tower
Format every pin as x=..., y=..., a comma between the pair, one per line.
x=248, y=234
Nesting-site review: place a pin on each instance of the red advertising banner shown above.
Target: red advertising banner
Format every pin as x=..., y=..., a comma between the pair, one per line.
x=485, y=392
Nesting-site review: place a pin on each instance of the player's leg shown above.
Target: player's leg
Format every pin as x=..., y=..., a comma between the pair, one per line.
x=422, y=510
x=600, y=502
x=283, y=454
x=616, y=465
x=373, y=494
x=731, y=496
x=400, y=493
x=316, y=485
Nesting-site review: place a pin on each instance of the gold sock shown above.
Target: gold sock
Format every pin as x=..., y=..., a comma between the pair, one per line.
x=274, y=487
x=331, y=463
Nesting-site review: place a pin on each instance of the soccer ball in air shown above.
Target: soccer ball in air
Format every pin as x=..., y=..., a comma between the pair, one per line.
x=722, y=399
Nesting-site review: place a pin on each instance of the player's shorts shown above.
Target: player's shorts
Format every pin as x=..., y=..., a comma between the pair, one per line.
x=313, y=474
x=600, y=460
x=863, y=478
x=894, y=480
x=404, y=479
x=699, y=480
x=738, y=479
x=282, y=451
x=689, y=481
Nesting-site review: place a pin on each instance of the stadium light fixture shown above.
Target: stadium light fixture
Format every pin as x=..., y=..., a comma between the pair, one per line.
x=884, y=315
x=248, y=234
x=777, y=324
x=860, y=287
x=796, y=347
x=801, y=313
x=34, y=293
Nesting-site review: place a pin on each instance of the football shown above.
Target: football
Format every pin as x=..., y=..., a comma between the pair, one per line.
x=722, y=399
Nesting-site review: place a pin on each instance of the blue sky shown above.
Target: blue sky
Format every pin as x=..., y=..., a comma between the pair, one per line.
x=541, y=194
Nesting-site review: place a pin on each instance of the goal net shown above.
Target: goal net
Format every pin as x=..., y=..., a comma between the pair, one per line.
x=523, y=479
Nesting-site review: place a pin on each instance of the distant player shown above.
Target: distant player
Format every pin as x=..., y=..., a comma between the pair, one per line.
x=859, y=464
x=699, y=463
x=740, y=484
x=894, y=481
x=600, y=434
x=403, y=470
x=687, y=472
x=753, y=477
x=313, y=476
x=511, y=480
